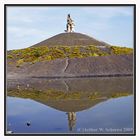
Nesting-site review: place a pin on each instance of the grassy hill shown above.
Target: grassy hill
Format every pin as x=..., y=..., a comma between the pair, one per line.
x=44, y=53
x=70, y=55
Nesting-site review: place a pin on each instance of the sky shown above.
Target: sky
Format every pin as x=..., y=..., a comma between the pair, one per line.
x=27, y=26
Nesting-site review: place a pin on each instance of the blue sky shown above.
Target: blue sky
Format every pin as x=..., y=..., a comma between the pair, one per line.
x=27, y=26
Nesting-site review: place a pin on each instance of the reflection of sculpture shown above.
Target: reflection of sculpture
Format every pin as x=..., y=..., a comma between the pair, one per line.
x=48, y=92
x=72, y=120
x=70, y=24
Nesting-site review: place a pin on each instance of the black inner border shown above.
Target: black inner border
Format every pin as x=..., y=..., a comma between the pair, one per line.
x=81, y=5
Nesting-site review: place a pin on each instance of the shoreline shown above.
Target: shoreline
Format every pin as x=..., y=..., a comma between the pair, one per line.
x=82, y=76
x=68, y=77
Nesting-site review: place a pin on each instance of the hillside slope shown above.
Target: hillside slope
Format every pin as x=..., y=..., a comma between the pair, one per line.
x=75, y=67
x=70, y=55
x=70, y=39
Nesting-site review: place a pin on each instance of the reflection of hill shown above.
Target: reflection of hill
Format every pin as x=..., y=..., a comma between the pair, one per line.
x=102, y=85
x=71, y=95
x=67, y=102
x=72, y=105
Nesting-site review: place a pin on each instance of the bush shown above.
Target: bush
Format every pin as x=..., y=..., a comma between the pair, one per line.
x=36, y=53
x=121, y=50
x=44, y=53
x=94, y=54
x=19, y=62
x=48, y=58
x=56, y=53
x=10, y=56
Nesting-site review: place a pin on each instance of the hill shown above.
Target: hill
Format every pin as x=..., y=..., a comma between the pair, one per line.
x=86, y=57
x=70, y=39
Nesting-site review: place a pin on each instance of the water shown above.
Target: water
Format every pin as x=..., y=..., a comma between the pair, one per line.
x=61, y=106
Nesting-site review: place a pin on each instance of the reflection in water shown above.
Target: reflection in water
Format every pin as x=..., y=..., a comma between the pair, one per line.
x=71, y=98
x=71, y=120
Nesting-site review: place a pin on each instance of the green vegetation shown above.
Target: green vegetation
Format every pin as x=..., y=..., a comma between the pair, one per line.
x=44, y=95
x=10, y=56
x=116, y=95
x=94, y=96
x=19, y=62
x=44, y=53
x=121, y=50
x=52, y=94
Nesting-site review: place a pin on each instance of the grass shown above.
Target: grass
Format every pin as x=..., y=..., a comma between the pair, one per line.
x=44, y=53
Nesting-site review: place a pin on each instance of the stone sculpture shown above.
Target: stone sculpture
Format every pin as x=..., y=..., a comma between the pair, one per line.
x=70, y=24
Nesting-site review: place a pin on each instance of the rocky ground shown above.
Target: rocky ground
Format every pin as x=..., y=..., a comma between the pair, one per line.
x=76, y=67
x=71, y=39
